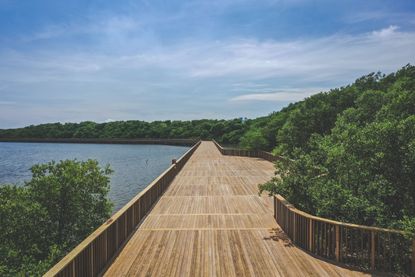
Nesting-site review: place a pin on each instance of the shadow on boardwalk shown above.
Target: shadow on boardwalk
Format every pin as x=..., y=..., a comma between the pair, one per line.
x=276, y=234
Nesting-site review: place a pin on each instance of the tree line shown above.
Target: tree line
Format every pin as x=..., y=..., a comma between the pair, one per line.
x=225, y=131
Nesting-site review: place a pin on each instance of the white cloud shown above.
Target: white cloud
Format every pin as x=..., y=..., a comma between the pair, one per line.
x=386, y=32
x=321, y=59
x=338, y=57
x=286, y=95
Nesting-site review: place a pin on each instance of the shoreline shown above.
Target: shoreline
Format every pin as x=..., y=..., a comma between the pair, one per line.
x=174, y=142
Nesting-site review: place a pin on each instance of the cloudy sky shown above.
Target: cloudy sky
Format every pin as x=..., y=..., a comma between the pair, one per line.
x=71, y=61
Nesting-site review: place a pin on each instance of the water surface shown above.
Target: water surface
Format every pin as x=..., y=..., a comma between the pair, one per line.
x=135, y=166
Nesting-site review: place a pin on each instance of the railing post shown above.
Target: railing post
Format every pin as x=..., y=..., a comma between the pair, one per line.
x=125, y=226
x=311, y=234
x=92, y=259
x=337, y=243
x=106, y=245
x=413, y=257
x=287, y=213
x=116, y=234
x=275, y=207
x=294, y=228
x=133, y=218
x=138, y=203
x=372, y=250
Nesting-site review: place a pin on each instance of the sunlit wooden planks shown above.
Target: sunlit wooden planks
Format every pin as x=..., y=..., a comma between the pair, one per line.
x=215, y=186
x=211, y=222
x=210, y=205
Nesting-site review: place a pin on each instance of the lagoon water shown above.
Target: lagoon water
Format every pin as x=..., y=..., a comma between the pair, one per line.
x=135, y=166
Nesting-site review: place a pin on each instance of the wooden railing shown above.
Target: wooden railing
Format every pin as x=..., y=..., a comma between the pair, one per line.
x=95, y=253
x=246, y=153
x=368, y=248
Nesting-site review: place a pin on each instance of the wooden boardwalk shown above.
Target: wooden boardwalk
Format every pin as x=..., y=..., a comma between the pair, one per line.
x=211, y=222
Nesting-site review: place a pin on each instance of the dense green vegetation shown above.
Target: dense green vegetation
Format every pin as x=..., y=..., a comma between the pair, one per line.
x=353, y=150
x=40, y=222
x=225, y=131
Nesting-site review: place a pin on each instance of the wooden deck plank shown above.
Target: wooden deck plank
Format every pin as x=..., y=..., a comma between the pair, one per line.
x=211, y=222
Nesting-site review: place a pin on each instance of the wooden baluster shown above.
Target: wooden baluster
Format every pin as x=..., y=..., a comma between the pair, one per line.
x=106, y=245
x=133, y=218
x=294, y=228
x=318, y=242
x=125, y=225
x=92, y=258
x=337, y=243
x=311, y=233
x=275, y=207
x=285, y=220
x=116, y=234
x=372, y=250
x=326, y=239
x=413, y=257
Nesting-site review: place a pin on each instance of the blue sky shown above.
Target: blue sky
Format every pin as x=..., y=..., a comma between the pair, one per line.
x=71, y=61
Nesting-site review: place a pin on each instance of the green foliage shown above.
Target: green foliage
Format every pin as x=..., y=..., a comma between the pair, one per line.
x=294, y=125
x=254, y=140
x=23, y=230
x=62, y=204
x=225, y=131
x=74, y=195
x=362, y=168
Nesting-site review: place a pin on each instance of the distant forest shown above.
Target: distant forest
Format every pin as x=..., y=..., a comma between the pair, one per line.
x=360, y=137
x=227, y=131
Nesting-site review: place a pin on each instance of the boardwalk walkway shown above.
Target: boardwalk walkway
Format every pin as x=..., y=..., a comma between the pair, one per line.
x=211, y=222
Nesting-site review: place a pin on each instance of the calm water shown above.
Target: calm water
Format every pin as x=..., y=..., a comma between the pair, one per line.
x=135, y=166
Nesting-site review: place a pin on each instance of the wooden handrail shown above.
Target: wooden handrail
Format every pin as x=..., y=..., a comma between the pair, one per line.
x=94, y=253
x=316, y=218
x=369, y=248
x=247, y=153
